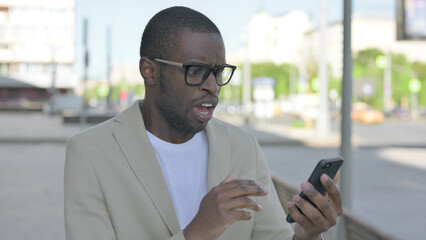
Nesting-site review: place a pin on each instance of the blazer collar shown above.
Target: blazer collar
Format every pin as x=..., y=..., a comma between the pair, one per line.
x=133, y=140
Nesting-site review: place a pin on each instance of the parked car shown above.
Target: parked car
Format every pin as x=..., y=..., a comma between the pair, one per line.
x=399, y=112
x=362, y=112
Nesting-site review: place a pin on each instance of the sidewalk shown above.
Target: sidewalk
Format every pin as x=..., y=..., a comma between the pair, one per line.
x=275, y=132
x=27, y=127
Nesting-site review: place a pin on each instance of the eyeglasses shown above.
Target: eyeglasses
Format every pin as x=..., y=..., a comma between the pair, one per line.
x=197, y=73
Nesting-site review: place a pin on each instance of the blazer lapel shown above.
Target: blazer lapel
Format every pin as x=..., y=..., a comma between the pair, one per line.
x=219, y=153
x=134, y=142
x=219, y=165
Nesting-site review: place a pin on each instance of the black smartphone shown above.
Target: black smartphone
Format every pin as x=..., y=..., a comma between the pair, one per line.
x=329, y=166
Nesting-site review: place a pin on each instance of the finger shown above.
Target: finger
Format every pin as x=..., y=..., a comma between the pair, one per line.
x=243, y=190
x=237, y=188
x=240, y=203
x=333, y=193
x=239, y=215
x=239, y=182
x=228, y=178
x=314, y=216
x=336, y=178
x=298, y=216
x=320, y=203
x=314, y=196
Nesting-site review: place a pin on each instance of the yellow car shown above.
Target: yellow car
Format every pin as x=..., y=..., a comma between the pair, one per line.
x=362, y=112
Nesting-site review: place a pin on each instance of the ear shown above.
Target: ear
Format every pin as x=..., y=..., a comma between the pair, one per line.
x=148, y=70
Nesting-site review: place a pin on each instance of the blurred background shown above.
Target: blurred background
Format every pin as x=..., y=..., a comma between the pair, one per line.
x=66, y=65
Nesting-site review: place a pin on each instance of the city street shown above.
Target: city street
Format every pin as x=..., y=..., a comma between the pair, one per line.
x=389, y=169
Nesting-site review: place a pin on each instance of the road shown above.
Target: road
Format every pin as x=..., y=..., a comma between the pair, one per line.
x=389, y=186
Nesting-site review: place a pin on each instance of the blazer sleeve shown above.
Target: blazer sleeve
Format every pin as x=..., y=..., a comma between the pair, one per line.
x=86, y=214
x=269, y=223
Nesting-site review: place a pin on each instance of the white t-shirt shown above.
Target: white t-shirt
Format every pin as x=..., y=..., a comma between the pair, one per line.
x=184, y=168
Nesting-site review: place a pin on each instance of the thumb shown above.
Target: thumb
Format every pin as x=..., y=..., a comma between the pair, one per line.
x=228, y=179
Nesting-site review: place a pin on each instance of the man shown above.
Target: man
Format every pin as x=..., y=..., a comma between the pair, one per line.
x=165, y=169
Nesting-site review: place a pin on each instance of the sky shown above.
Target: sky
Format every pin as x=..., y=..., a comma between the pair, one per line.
x=127, y=19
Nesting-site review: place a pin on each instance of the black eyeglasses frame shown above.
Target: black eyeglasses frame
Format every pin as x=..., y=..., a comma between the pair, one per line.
x=213, y=70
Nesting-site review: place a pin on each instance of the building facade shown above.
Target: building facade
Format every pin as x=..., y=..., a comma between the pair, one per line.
x=367, y=32
x=37, y=42
x=275, y=39
x=291, y=38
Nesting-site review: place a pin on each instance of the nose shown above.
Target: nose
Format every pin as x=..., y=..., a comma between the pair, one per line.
x=210, y=85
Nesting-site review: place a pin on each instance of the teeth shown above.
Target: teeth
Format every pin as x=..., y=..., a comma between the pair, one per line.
x=207, y=105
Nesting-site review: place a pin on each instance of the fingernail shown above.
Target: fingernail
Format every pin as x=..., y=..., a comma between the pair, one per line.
x=290, y=204
x=259, y=207
x=265, y=190
x=305, y=186
x=325, y=177
x=257, y=183
x=297, y=198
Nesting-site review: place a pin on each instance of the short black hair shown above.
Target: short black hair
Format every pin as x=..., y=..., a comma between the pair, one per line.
x=161, y=32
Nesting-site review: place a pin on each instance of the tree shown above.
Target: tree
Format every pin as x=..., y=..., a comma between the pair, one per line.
x=281, y=74
x=420, y=69
x=401, y=75
x=365, y=67
x=402, y=72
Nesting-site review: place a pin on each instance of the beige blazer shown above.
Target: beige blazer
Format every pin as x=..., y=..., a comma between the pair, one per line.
x=115, y=189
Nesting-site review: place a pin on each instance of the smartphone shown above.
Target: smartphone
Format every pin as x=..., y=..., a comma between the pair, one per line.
x=329, y=166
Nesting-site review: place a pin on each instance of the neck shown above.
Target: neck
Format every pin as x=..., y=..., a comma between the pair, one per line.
x=158, y=126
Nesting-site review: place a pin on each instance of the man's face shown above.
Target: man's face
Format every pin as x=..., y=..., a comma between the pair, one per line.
x=185, y=108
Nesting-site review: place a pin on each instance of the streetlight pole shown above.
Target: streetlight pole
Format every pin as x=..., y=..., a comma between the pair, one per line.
x=247, y=77
x=246, y=86
x=83, y=114
x=323, y=121
x=346, y=145
x=53, y=89
x=346, y=128
x=387, y=84
x=108, y=66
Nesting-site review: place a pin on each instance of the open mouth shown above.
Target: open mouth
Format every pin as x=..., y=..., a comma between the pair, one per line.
x=205, y=108
x=204, y=111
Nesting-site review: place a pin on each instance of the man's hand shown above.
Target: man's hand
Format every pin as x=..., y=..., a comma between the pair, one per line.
x=222, y=206
x=316, y=220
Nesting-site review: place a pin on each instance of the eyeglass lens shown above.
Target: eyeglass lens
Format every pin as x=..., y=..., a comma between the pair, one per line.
x=197, y=74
